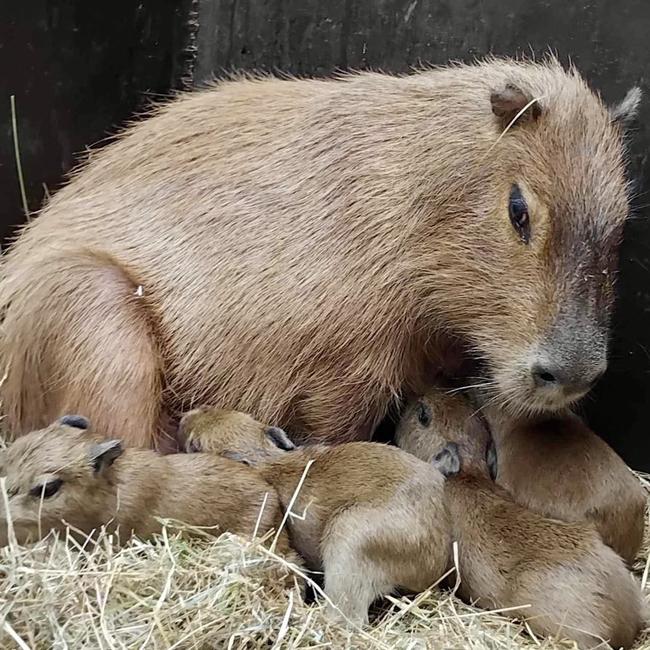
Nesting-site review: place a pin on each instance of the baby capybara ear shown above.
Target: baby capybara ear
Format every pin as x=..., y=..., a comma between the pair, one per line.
x=75, y=421
x=511, y=102
x=447, y=460
x=103, y=454
x=279, y=438
x=236, y=456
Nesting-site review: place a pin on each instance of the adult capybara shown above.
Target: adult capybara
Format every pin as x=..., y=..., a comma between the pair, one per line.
x=304, y=250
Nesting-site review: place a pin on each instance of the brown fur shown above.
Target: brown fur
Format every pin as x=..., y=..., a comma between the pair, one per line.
x=374, y=517
x=302, y=249
x=560, y=468
x=129, y=489
x=509, y=556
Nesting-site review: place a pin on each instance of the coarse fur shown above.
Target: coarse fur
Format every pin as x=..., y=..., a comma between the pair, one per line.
x=304, y=249
x=560, y=468
x=555, y=466
x=370, y=516
x=566, y=581
x=102, y=484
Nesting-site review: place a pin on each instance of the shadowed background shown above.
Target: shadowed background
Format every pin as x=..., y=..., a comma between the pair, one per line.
x=81, y=69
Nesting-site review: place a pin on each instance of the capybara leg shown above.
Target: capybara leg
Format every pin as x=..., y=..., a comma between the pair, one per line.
x=352, y=580
x=77, y=339
x=284, y=549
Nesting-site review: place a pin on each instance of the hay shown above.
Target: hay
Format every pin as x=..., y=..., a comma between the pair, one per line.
x=216, y=592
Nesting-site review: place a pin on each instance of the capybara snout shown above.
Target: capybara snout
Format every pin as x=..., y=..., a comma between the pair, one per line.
x=447, y=460
x=450, y=463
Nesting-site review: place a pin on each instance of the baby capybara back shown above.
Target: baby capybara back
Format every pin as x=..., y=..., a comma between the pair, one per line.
x=301, y=249
x=566, y=581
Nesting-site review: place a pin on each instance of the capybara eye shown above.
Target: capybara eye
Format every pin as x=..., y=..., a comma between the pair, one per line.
x=48, y=489
x=76, y=421
x=424, y=415
x=518, y=210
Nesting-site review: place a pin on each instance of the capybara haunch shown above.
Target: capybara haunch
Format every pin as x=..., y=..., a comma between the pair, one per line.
x=370, y=516
x=65, y=475
x=567, y=581
x=305, y=250
x=559, y=467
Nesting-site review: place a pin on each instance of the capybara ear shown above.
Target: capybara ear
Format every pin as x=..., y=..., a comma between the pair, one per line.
x=626, y=111
x=236, y=456
x=491, y=459
x=279, y=438
x=447, y=460
x=75, y=421
x=103, y=454
x=511, y=102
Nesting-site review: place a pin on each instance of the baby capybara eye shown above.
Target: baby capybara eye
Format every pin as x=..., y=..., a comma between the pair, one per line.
x=76, y=421
x=424, y=414
x=46, y=490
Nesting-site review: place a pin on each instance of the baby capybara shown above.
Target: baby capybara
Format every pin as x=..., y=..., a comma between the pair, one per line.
x=566, y=581
x=64, y=475
x=560, y=468
x=370, y=516
x=304, y=250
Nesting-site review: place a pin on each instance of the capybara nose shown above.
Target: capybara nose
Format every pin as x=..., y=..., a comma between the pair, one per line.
x=569, y=380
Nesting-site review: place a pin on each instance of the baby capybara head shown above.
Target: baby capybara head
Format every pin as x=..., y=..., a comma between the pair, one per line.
x=525, y=269
x=56, y=476
x=232, y=434
x=442, y=428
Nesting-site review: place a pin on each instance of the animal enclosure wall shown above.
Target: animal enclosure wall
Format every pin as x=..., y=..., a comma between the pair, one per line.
x=80, y=69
